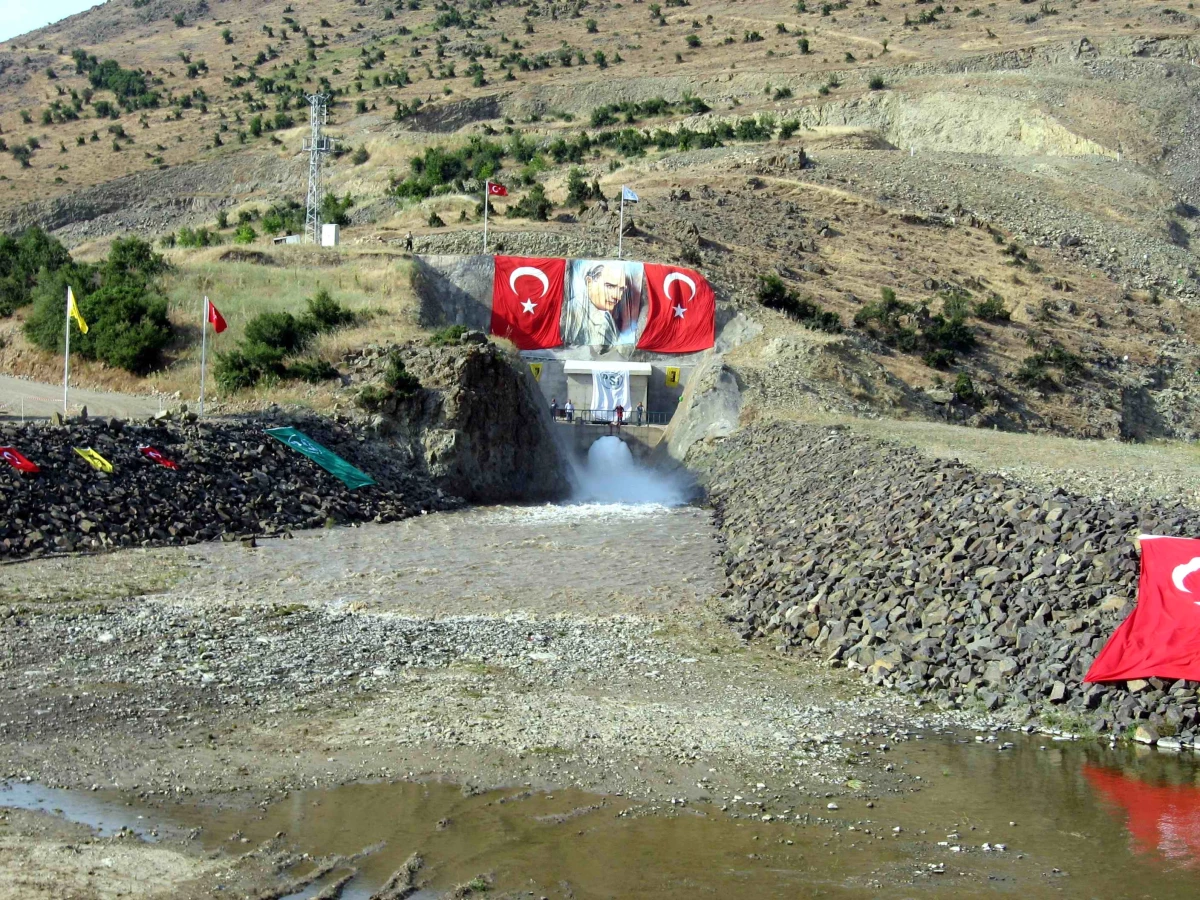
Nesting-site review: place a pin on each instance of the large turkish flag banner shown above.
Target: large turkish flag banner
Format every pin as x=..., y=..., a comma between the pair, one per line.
x=527, y=299
x=1161, y=637
x=683, y=311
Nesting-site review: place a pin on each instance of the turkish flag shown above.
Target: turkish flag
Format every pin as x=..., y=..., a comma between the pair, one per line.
x=215, y=317
x=683, y=311
x=13, y=457
x=527, y=299
x=496, y=190
x=156, y=456
x=1161, y=637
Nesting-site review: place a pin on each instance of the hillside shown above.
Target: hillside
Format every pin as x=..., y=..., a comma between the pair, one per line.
x=1026, y=170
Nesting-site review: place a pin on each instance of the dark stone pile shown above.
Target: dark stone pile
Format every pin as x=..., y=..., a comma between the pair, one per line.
x=938, y=580
x=232, y=480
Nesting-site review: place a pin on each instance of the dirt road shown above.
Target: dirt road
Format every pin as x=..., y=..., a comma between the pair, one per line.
x=34, y=399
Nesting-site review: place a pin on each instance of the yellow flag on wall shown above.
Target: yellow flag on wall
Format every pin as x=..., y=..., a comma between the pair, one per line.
x=95, y=460
x=536, y=369
x=672, y=376
x=75, y=313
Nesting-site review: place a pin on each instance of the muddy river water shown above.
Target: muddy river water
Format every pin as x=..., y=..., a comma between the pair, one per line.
x=975, y=814
x=1039, y=818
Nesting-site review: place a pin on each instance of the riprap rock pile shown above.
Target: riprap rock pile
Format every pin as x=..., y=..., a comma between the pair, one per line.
x=938, y=580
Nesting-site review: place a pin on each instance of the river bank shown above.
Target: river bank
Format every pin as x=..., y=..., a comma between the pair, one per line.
x=572, y=666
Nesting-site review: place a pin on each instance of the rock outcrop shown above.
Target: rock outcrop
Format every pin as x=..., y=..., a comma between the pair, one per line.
x=937, y=580
x=478, y=427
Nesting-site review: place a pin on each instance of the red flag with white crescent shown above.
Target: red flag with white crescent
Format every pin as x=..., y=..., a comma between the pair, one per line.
x=14, y=458
x=215, y=318
x=527, y=299
x=1161, y=637
x=156, y=456
x=683, y=311
x=496, y=190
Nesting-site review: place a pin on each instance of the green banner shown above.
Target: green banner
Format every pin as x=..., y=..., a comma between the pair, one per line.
x=326, y=459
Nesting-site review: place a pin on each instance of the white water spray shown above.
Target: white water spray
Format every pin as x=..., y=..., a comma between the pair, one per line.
x=612, y=475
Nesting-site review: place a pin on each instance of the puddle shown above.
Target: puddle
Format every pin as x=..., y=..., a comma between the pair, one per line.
x=1075, y=819
x=99, y=811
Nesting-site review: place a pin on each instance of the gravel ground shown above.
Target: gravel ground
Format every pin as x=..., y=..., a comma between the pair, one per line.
x=222, y=680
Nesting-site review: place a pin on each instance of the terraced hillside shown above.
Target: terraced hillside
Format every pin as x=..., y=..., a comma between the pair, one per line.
x=996, y=199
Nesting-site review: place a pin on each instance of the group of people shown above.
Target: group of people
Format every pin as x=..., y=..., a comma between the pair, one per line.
x=567, y=411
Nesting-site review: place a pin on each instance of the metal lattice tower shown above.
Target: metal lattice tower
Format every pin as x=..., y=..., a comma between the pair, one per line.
x=317, y=146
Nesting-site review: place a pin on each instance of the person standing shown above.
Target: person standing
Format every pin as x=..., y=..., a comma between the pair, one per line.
x=641, y=412
x=569, y=409
x=408, y=242
x=553, y=407
x=620, y=411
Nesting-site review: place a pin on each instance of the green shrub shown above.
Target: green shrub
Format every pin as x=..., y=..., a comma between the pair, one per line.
x=373, y=397
x=398, y=378
x=911, y=329
x=335, y=211
x=120, y=300
x=245, y=234
x=992, y=309
x=447, y=337
x=360, y=156
x=324, y=314
x=313, y=371
x=277, y=330
x=534, y=205
x=247, y=365
x=22, y=258
x=774, y=294
x=964, y=391
x=876, y=83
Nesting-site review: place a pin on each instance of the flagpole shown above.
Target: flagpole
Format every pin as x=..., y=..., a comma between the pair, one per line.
x=67, y=351
x=486, y=185
x=203, y=347
x=621, y=227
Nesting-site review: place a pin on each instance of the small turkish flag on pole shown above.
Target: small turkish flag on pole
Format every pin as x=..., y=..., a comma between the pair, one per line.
x=212, y=316
x=490, y=189
x=215, y=318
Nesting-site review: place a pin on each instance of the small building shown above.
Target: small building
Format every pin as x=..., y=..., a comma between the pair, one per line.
x=288, y=239
x=585, y=384
x=331, y=235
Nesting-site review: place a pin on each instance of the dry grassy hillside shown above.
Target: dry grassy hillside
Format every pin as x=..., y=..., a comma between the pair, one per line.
x=1041, y=154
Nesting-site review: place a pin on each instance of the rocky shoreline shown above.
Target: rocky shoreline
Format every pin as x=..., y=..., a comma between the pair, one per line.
x=938, y=581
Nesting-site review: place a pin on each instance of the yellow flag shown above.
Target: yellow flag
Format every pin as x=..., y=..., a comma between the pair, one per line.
x=75, y=313
x=672, y=379
x=536, y=369
x=95, y=460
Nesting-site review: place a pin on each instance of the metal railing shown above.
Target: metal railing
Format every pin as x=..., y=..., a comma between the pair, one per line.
x=608, y=417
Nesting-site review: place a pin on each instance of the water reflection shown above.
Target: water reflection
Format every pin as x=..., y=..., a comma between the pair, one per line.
x=1159, y=817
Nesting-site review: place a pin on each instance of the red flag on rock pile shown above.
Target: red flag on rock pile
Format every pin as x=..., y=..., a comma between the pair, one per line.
x=1161, y=637
x=13, y=457
x=156, y=456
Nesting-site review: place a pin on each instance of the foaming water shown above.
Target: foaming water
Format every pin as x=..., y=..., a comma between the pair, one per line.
x=612, y=475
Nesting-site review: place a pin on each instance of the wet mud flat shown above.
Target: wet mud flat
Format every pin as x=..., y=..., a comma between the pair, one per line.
x=529, y=699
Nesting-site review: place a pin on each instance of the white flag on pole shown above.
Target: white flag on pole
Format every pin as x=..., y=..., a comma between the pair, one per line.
x=628, y=195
